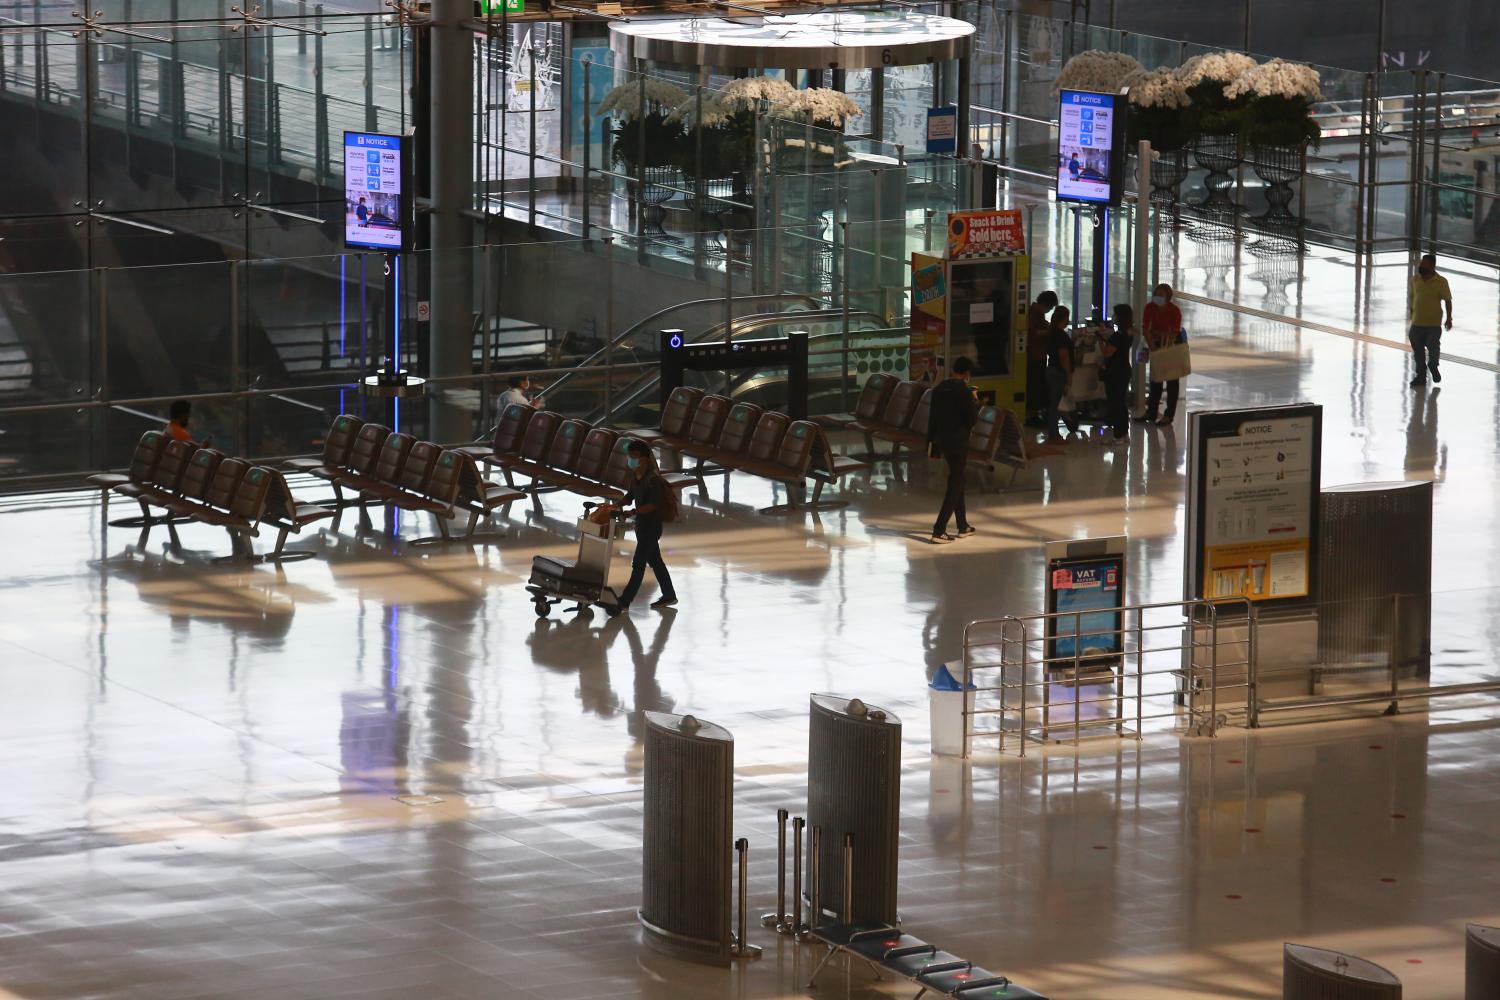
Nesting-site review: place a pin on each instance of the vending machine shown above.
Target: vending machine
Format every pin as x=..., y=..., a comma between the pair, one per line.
x=972, y=303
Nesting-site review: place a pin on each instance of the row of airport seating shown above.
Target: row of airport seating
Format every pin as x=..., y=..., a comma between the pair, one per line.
x=188, y=483
x=896, y=411
x=722, y=436
x=557, y=453
x=364, y=462
x=367, y=464
x=554, y=453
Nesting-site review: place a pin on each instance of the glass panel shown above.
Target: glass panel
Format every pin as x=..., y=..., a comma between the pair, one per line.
x=45, y=351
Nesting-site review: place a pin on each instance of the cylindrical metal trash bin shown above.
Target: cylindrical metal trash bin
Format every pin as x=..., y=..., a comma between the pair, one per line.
x=1482, y=963
x=854, y=787
x=1317, y=974
x=687, y=840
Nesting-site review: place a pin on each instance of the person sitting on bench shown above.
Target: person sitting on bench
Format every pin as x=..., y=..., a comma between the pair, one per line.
x=178, y=415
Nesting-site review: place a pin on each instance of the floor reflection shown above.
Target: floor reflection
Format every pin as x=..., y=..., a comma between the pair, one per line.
x=377, y=773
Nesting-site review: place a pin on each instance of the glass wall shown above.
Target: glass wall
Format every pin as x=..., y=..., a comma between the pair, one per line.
x=170, y=223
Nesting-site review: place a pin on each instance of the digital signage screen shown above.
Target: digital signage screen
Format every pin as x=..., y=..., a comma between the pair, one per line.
x=374, y=199
x=1086, y=595
x=1087, y=163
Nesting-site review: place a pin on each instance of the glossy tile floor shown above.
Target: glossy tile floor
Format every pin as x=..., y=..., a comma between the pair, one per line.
x=377, y=774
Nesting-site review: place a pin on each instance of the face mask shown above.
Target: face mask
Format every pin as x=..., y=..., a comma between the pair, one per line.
x=1425, y=272
x=633, y=463
x=1159, y=300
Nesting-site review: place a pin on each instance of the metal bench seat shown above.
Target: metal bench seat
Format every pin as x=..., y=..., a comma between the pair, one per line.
x=882, y=946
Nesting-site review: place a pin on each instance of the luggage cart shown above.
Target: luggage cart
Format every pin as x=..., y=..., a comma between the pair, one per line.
x=585, y=579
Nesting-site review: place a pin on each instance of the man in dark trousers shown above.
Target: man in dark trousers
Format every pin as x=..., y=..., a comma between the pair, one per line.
x=952, y=414
x=652, y=503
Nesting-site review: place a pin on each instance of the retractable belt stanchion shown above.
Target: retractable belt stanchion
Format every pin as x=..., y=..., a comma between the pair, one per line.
x=797, y=927
x=778, y=920
x=815, y=912
x=849, y=878
x=743, y=948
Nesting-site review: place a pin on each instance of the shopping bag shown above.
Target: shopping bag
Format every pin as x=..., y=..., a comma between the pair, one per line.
x=1171, y=362
x=1066, y=404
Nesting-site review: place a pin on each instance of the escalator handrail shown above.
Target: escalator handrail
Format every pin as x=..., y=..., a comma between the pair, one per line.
x=637, y=327
x=743, y=324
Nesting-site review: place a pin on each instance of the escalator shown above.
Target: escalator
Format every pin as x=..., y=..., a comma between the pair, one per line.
x=642, y=391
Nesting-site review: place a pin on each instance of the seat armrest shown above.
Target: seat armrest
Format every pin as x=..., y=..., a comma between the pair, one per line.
x=306, y=513
x=108, y=480
x=303, y=464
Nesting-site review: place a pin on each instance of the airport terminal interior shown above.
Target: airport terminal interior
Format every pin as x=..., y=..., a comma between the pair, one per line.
x=354, y=354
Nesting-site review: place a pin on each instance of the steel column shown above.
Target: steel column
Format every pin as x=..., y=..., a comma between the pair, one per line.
x=450, y=121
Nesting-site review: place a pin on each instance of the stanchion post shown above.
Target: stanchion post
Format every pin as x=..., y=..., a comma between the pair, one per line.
x=742, y=947
x=797, y=824
x=848, y=879
x=814, y=868
x=778, y=920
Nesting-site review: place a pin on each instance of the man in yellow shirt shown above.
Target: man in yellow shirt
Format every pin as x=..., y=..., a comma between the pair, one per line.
x=1429, y=293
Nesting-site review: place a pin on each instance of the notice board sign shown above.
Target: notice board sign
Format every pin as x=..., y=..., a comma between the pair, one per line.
x=1090, y=147
x=942, y=129
x=988, y=232
x=1253, y=488
x=375, y=195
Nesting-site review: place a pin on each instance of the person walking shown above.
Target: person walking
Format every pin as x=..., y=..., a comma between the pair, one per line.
x=652, y=504
x=1161, y=326
x=952, y=414
x=1116, y=351
x=1059, y=373
x=1429, y=294
x=1036, y=356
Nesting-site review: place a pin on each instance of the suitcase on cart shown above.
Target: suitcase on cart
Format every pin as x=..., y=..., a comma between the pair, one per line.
x=585, y=579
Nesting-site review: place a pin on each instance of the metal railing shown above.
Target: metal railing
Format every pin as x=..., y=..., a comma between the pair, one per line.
x=1032, y=678
x=1192, y=667
x=1371, y=653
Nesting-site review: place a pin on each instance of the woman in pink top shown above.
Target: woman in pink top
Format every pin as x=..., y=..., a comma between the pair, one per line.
x=1161, y=324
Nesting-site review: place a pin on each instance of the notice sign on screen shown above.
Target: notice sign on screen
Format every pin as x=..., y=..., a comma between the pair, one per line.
x=372, y=191
x=1085, y=147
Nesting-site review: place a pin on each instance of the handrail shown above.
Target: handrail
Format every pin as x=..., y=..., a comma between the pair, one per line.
x=636, y=327
x=743, y=324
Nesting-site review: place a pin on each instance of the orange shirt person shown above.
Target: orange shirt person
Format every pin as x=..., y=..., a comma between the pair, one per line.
x=178, y=416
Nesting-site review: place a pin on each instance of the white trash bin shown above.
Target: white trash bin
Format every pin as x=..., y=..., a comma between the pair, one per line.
x=948, y=704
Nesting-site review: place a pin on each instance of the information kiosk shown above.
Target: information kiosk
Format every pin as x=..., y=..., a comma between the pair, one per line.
x=972, y=302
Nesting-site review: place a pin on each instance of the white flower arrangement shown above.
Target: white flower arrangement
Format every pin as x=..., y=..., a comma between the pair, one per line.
x=1222, y=66
x=745, y=94
x=624, y=101
x=714, y=112
x=1097, y=71
x=1277, y=78
x=818, y=105
x=1158, y=88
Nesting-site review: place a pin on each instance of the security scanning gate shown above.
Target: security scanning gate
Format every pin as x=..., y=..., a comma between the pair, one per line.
x=1178, y=660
